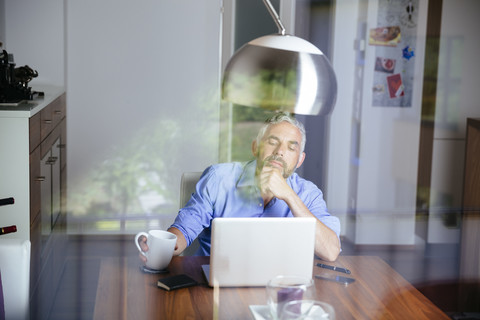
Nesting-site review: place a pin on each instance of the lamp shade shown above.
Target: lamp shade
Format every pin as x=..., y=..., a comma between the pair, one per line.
x=281, y=73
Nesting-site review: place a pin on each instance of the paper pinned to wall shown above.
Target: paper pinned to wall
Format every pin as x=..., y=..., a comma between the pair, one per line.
x=394, y=37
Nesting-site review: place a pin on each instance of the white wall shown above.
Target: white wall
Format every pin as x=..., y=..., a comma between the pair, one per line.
x=142, y=83
x=343, y=62
x=376, y=185
x=389, y=142
x=383, y=196
x=142, y=90
x=152, y=59
x=34, y=33
x=457, y=98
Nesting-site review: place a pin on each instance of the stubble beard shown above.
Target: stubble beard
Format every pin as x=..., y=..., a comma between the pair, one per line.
x=286, y=172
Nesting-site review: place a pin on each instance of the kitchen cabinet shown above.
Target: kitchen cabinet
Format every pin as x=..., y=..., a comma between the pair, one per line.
x=33, y=172
x=469, y=293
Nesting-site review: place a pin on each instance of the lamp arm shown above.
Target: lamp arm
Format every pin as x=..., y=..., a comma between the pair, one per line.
x=275, y=17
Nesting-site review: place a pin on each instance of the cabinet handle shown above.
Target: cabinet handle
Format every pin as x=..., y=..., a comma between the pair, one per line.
x=51, y=160
x=58, y=112
x=61, y=145
x=47, y=121
x=41, y=178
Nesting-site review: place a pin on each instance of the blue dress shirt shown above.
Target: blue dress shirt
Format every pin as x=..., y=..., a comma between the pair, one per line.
x=229, y=190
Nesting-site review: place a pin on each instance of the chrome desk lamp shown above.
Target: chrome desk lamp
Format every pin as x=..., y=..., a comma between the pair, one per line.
x=280, y=72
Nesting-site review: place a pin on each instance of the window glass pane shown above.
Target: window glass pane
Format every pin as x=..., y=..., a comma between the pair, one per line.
x=246, y=122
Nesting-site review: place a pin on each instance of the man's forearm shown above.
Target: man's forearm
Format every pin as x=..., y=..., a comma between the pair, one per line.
x=327, y=245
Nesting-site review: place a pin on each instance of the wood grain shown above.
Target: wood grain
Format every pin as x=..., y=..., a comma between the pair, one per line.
x=124, y=292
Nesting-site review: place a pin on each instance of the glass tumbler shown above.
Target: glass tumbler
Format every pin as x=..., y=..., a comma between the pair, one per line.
x=283, y=289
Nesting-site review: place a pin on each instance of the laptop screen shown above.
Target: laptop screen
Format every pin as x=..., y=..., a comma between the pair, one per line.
x=251, y=251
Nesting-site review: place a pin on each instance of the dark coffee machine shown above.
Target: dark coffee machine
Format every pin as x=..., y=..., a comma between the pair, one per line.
x=14, y=81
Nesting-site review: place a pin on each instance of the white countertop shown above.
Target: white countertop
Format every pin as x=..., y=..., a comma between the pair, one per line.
x=28, y=108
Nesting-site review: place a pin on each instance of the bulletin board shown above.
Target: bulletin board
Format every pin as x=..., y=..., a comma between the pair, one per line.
x=394, y=40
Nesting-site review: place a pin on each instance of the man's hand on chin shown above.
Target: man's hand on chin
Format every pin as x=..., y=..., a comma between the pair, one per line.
x=272, y=183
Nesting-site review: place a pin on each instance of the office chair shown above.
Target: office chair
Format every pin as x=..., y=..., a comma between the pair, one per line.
x=187, y=187
x=15, y=273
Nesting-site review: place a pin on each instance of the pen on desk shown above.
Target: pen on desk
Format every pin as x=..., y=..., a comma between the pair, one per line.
x=326, y=266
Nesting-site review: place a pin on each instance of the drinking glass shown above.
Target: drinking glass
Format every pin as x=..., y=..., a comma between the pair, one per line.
x=307, y=310
x=283, y=289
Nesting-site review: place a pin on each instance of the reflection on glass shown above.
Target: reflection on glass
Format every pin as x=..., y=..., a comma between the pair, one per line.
x=307, y=310
x=136, y=184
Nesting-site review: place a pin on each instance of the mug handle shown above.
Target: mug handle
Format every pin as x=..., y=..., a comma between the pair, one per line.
x=136, y=241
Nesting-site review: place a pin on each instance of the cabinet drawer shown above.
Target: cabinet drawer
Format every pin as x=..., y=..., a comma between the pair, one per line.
x=35, y=181
x=63, y=143
x=49, y=142
x=46, y=122
x=59, y=110
x=51, y=115
x=34, y=131
x=36, y=251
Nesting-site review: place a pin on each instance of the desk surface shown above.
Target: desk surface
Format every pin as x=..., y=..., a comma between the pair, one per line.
x=379, y=292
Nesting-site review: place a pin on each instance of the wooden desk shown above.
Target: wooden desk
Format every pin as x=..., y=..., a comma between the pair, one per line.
x=124, y=292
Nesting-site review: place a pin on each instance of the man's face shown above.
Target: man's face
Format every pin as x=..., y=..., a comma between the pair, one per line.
x=280, y=148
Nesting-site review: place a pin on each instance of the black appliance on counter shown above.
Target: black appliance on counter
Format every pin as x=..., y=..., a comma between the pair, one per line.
x=14, y=81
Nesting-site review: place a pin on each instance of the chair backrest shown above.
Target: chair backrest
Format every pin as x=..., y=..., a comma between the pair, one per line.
x=15, y=273
x=187, y=187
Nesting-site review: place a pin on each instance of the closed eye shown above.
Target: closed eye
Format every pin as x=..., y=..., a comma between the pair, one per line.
x=273, y=141
x=293, y=146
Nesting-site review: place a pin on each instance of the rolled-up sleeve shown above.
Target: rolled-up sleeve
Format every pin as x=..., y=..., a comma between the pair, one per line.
x=312, y=197
x=198, y=212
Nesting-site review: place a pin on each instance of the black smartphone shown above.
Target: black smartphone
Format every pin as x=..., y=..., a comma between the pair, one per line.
x=336, y=278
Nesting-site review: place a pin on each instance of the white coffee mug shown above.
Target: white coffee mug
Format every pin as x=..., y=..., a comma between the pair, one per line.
x=160, y=248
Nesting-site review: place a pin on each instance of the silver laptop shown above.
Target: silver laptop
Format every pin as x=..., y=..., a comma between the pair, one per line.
x=251, y=251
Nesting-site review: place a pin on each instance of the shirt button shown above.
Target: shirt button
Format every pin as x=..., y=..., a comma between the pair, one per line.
x=260, y=204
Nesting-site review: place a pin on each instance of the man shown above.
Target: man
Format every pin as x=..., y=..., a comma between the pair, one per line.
x=265, y=187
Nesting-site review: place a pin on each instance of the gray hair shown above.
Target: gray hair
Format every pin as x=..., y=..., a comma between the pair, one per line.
x=281, y=117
